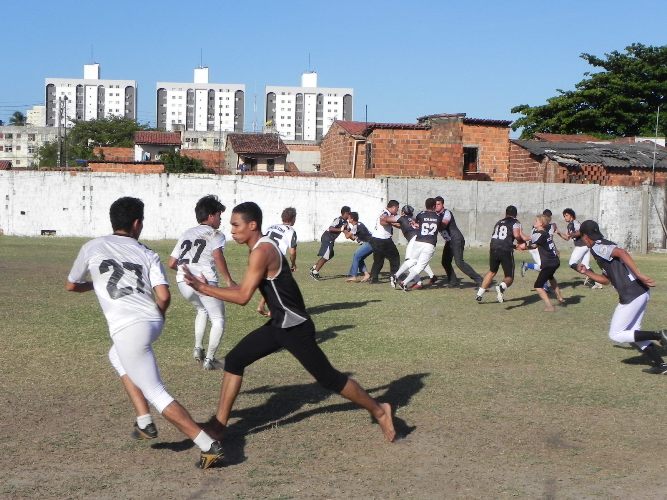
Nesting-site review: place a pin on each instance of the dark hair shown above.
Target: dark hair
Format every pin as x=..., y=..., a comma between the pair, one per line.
x=345, y=210
x=429, y=203
x=408, y=210
x=289, y=215
x=208, y=205
x=440, y=199
x=249, y=212
x=354, y=216
x=392, y=203
x=547, y=212
x=570, y=212
x=124, y=211
x=511, y=211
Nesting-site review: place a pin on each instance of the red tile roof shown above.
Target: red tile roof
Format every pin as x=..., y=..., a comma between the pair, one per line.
x=352, y=128
x=159, y=138
x=566, y=137
x=261, y=144
x=5, y=165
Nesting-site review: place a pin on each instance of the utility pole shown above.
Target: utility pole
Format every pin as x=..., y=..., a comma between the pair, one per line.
x=65, y=132
x=220, y=137
x=60, y=139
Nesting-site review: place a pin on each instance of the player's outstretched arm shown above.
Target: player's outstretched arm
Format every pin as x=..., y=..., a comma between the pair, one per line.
x=257, y=268
x=86, y=286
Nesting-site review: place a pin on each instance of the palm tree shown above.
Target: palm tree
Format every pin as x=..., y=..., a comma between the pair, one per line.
x=17, y=119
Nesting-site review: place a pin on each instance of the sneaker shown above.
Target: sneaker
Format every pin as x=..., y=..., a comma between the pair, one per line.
x=149, y=432
x=587, y=281
x=657, y=369
x=198, y=354
x=479, y=298
x=393, y=281
x=212, y=456
x=499, y=294
x=663, y=340
x=597, y=286
x=211, y=364
x=403, y=286
x=314, y=274
x=524, y=267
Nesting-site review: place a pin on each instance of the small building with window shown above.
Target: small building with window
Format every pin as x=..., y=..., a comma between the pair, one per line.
x=149, y=145
x=449, y=146
x=255, y=153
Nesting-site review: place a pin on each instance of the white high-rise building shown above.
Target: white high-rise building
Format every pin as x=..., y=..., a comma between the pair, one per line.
x=36, y=116
x=89, y=98
x=305, y=113
x=200, y=106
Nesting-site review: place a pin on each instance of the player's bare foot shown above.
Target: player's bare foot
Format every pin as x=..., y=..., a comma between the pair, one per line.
x=351, y=280
x=386, y=422
x=549, y=309
x=561, y=300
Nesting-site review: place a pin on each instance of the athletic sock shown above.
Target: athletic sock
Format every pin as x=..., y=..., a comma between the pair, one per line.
x=651, y=352
x=646, y=335
x=481, y=291
x=203, y=441
x=144, y=420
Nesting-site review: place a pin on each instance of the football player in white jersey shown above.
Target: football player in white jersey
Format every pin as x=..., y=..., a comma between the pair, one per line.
x=201, y=248
x=285, y=237
x=131, y=286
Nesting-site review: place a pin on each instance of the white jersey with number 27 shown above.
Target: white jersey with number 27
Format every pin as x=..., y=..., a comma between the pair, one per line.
x=195, y=248
x=124, y=273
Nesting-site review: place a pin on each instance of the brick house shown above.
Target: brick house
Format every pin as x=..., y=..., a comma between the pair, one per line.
x=255, y=153
x=604, y=163
x=445, y=145
x=149, y=145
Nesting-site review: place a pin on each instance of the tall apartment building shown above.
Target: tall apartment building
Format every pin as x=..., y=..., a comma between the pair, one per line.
x=200, y=106
x=305, y=113
x=89, y=98
x=36, y=116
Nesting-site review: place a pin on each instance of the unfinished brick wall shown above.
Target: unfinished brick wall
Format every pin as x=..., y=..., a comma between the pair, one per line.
x=127, y=168
x=524, y=166
x=336, y=154
x=398, y=152
x=114, y=154
x=212, y=160
x=446, y=145
x=493, y=152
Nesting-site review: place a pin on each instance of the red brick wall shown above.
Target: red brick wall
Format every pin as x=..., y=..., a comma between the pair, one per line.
x=524, y=167
x=127, y=168
x=115, y=154
x=212, y=160
x=336, y=152
x=493, y=154
x=446, y=145
x=398, y=152
x=303, y=147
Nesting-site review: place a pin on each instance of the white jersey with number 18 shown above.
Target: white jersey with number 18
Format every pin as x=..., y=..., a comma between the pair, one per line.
x=124, y=273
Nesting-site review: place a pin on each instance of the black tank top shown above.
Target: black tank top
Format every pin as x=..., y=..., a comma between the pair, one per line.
x=282, y=294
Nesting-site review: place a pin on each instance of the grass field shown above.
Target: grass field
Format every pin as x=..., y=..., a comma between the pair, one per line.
x=495, y=400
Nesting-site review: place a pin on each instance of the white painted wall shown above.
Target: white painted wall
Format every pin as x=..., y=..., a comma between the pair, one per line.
x=77, y=204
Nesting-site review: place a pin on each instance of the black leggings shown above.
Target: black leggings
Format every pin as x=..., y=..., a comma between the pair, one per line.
x=546, y=274
x=298, y=340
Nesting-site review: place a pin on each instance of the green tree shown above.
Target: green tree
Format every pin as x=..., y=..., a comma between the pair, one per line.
x=621, y=99
x=84, y=136
x=17, y=119
x=176, y=163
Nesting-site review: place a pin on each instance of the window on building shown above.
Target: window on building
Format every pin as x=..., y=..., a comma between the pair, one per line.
x=31, y=149
x=9, y=135
x=18, y=136
x=18, y=148
x=270, y=164
x=470, y=159
x=8, y=149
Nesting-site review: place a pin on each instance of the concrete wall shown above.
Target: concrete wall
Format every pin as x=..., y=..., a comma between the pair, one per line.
x=77, y=204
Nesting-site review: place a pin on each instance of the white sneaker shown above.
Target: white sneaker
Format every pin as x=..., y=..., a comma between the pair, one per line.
x=597, y=286
x=393, y=281
x=198, y=354
x=212, y=364
x=499, y=294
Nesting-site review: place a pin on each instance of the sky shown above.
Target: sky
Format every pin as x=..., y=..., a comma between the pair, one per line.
x=404, y=59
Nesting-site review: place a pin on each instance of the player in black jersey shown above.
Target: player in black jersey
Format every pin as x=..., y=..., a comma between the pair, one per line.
x=501, y=253
x=542, y=240
x=426, y=223
x=455, y=246
x=290, y=326
x=620, y=269
x=327, y=240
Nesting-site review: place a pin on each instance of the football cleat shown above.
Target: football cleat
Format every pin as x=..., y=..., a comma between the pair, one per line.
x=587, y=281
x=403, y=286
x=479, y=298
x=198, y=354
x=211, y=364
x=314, y=274
x=149, y=432
x=393, y=281
x=597, y=286
x=524, y=267
x=212, y=456
x=499, y=294
x=657, y=369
